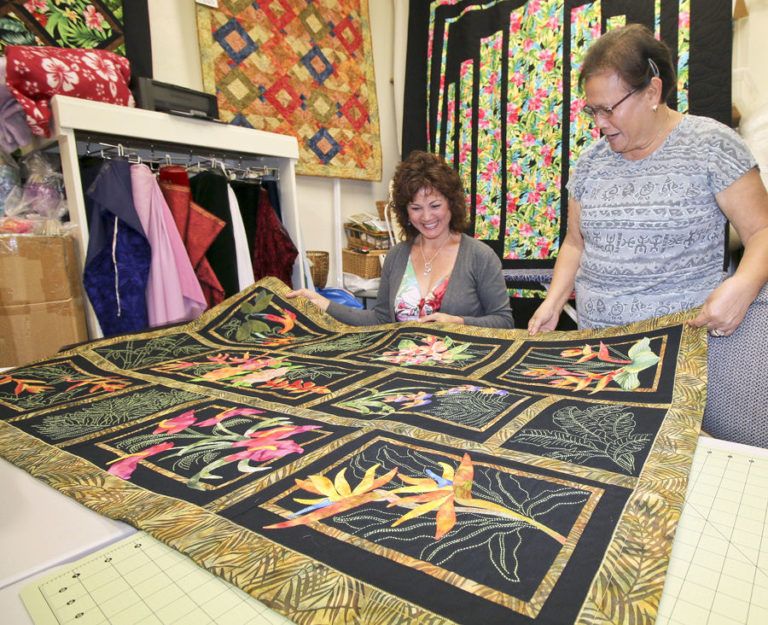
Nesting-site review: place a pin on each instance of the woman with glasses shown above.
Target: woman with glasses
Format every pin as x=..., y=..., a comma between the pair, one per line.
x=649, y=201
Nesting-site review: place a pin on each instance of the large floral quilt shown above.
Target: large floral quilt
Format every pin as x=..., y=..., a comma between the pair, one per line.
x=404, y=473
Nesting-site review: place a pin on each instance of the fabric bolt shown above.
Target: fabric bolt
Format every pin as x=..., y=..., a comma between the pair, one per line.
x=410, y=305
x=173, y=292
x=198, y=228
x=118, y=256
x=654, y=236
x=274, y=253
x=419, y=474
x=242, y=247
x=209, y=190
x=36, y=73
x=476, y=290
x=14, y=132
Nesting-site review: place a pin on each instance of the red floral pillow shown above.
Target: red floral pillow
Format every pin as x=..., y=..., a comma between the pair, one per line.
x=36, y=73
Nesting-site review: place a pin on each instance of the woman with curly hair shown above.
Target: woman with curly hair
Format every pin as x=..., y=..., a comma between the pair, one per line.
x=438, y=274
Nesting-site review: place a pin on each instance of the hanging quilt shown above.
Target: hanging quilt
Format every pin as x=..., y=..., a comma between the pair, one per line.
x=402, y=473
x=301, y=68
x=493, y=86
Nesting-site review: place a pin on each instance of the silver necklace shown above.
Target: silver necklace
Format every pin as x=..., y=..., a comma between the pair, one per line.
x=428, y=263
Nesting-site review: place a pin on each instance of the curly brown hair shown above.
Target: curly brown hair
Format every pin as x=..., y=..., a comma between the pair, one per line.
x=424, y=170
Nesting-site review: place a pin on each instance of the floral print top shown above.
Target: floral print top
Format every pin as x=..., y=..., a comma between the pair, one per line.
x=409, y=304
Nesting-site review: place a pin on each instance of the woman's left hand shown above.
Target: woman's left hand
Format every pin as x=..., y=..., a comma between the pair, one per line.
x=725, y=307
x=439, y=317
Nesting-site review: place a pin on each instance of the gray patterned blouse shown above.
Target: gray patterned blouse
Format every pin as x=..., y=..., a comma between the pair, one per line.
x=654, y=236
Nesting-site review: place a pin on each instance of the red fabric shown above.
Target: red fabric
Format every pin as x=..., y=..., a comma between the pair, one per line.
x=36, y=73
x=273, y=252
x=198, y=229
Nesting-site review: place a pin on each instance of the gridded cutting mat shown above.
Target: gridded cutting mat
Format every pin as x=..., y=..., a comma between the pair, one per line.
x=718, y=573
x=140, y=581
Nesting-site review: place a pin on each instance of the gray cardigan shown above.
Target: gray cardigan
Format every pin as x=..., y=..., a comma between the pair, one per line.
x=476, y=290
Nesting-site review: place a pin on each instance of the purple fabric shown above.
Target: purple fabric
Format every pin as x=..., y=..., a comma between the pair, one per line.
x=118, y=257
x=14, y=131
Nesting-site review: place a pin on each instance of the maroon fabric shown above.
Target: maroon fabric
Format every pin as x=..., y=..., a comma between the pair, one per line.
x=198, y=229
x=36, y=73
x=273, y=253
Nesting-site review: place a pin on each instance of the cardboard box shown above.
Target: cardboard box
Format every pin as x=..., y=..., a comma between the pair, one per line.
x=41, y=303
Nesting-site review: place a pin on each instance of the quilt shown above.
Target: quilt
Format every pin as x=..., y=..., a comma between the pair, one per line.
x=403, y=473
x=493, y=86
x=302, y=68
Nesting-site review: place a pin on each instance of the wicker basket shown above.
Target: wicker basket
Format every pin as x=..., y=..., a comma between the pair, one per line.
x=363, y=265
x=318, y=267
x=359, y=237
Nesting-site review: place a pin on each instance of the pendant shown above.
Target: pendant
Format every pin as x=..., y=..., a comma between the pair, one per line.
x=427, y=268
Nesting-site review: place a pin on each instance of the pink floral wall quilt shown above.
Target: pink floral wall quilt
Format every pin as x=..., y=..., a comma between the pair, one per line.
x=299, y=68
x=493, y=86
x=403, y=473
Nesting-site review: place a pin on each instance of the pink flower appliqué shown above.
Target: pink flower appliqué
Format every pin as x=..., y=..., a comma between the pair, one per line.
x=232, y=412
x=125, y=466
x=176, y=424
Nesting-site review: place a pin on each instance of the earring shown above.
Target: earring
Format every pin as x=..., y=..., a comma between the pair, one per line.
x=655, y=107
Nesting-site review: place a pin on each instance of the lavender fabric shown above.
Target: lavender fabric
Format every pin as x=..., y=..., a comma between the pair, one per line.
x=14, y=131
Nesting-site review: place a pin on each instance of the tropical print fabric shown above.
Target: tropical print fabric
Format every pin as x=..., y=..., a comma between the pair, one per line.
x=402, y=473
x=410, y=305
x=299, y=68
x=493, y=86
x=72, y=24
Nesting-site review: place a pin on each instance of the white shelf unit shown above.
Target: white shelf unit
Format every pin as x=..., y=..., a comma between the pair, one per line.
x=76, y=121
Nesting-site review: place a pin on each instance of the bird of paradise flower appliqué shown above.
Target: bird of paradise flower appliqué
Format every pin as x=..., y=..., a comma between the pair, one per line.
x=443, y=494
x=572, y=372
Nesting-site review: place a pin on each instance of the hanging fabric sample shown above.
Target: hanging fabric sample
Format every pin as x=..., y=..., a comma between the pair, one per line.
x=198, y=228
x=173, y=292
x=210, y=190
x=243, y=247
x=118, y=256
x=493, y=86
x=274, y=253
x=298, y=68
x=402, y=473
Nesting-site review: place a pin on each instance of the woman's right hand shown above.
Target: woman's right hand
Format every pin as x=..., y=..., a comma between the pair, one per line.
x=313, y=296
x=545, y=318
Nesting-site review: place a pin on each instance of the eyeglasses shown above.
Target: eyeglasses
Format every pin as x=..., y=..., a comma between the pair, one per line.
x=605, y=111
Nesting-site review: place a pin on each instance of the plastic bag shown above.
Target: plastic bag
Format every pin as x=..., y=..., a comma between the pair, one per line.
x=41, y=195
x=10, y=179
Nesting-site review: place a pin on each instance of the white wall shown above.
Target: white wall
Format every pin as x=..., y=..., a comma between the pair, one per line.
x=176, y=59
x=750, y=49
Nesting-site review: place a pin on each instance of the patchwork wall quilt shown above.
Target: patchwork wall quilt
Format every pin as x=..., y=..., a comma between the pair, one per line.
x=493, y=86
x=302, y=68
x=404, y=473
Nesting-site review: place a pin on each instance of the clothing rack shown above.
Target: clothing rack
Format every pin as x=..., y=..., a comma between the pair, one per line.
x=143, y=133
x=244, y=166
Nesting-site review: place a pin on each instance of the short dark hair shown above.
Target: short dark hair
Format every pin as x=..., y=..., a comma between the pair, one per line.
x=424, y=170
x=634, y=54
